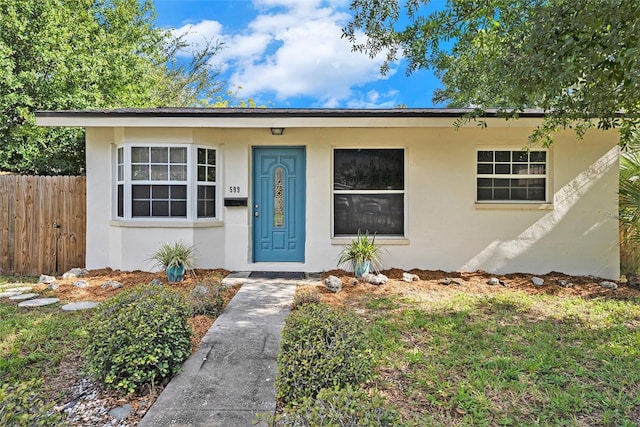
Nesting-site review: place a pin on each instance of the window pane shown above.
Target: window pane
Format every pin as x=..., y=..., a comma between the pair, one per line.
x=536, y=194
x=519, y=194
x=503, y=168
x=178, y=173
x=160, y=192
x=206, y=201
x=501, y=194
x=379, y=169
x=120, y=172
x=211, y=157
x=139, y=154
x=160, y=208
x=141, y=191
x=520, y=156
x=159, y=155
x=538, y=169
x=484, y=182
x=485, y=194
x=159, y=173
x=202, y=156
x=120, y=152
x=485, y=156
x=179, y=192
x=211, y=174
x=178, y=155
x=140, y=208
x=503, y=156
x=520, y=169
x=140, y=172
x=120, y=207
x=538, y=156
x=178, y=208
x=485, y=168
x=382, y=214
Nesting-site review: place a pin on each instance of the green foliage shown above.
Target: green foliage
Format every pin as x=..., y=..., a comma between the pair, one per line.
x=206, y=297
x=84, y=54
x=305, y=295
x=22, y=406
x=347, y=407
x=176, y=254
x=576, y=59
x=629, y=212
x=138, y=338
x=361, y=249
x=322, y=347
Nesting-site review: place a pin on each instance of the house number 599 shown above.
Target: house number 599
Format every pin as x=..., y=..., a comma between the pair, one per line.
x=233, y=189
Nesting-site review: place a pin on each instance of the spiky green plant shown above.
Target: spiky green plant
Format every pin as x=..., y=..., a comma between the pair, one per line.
x=174, y=254
x=362, y=248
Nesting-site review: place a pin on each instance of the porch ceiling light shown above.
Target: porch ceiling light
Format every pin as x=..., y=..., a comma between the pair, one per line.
x=277, y=131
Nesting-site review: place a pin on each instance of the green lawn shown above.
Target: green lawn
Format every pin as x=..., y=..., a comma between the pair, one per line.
x=509, y=359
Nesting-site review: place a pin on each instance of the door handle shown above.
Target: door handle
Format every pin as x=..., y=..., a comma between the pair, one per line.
x=256, y=214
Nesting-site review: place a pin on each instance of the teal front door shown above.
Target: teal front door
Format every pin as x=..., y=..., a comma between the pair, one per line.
x=279, y=204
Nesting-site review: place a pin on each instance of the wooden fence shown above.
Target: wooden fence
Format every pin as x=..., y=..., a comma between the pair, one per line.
x=42, y=224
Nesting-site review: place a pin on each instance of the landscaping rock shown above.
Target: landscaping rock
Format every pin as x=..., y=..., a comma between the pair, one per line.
x=53, y=286
x=156, y=282
x=493, y=281
x=80, y=305
x=375, y=279
x=333, y=284
x=354, y=282
x=39, y=302
x=23, y=297
x=122, y=412
x=449, y=280
x=75, y=272
x=609, y=285
x=538, y=281
x=564, y=283
x=10, y=293
x=46, y=279
x=113, y=284
x=408, y=277
x=81, y=283
x=200, y=290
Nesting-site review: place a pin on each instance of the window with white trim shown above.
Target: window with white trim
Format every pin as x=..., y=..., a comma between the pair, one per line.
x=368, y=191
x=165, y=181
x=511, y=176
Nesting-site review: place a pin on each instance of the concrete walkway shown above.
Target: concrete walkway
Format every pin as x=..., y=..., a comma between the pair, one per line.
x=231, y=377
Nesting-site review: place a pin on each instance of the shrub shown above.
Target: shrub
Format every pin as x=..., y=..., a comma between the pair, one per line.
x=322, y=347
x=138, y=338
x=20, y=405
x=347, y=407
x=206, y=297
x=305, y=295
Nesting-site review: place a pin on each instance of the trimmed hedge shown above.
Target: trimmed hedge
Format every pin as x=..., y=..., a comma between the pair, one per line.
x=138, y=338
x=322, y=347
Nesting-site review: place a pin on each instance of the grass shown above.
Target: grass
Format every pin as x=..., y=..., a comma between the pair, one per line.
x=512, y=359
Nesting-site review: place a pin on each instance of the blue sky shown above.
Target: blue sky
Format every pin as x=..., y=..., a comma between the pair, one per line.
x=289, y=53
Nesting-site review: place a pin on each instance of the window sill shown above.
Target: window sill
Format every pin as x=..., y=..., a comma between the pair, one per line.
x=145, y=223
x=514, y=206
x=382, y=241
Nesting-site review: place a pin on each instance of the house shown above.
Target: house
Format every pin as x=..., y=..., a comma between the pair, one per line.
x=285, y=189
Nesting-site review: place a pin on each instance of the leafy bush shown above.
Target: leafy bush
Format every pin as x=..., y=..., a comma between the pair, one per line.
x=322, y=347
x=138, y=338
x=206, y=297
x=347, y=407
x=21, y=406
x=305, y=295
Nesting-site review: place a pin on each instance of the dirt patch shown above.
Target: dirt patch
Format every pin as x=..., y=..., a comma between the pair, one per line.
x=474, y=282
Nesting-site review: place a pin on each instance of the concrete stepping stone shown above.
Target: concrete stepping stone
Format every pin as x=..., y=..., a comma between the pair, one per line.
x=15, y=290
x=80, y=305
x=9, y=293
x=23, y=296
x=39, y=302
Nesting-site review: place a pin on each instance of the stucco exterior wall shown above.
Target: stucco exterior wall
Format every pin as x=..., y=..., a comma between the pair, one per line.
x=577, y=233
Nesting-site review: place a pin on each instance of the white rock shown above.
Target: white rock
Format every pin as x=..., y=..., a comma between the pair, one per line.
x=493, y=281
x=408, y=277
x=75, y=272
x=113, y=284
x=10, y=293
x=375, y=279
x=81, y=283
x=609, y=285
x=333, y=284
x=538, y=281
x=46, y=279
x=53, y=286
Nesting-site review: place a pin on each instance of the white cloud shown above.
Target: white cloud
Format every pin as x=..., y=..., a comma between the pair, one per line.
x=292, y=48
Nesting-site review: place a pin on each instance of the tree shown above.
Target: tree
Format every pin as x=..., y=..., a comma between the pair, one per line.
x=80, y=54
x=575, y=59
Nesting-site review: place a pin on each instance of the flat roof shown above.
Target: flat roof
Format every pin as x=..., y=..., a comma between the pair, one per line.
x=165, y=117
